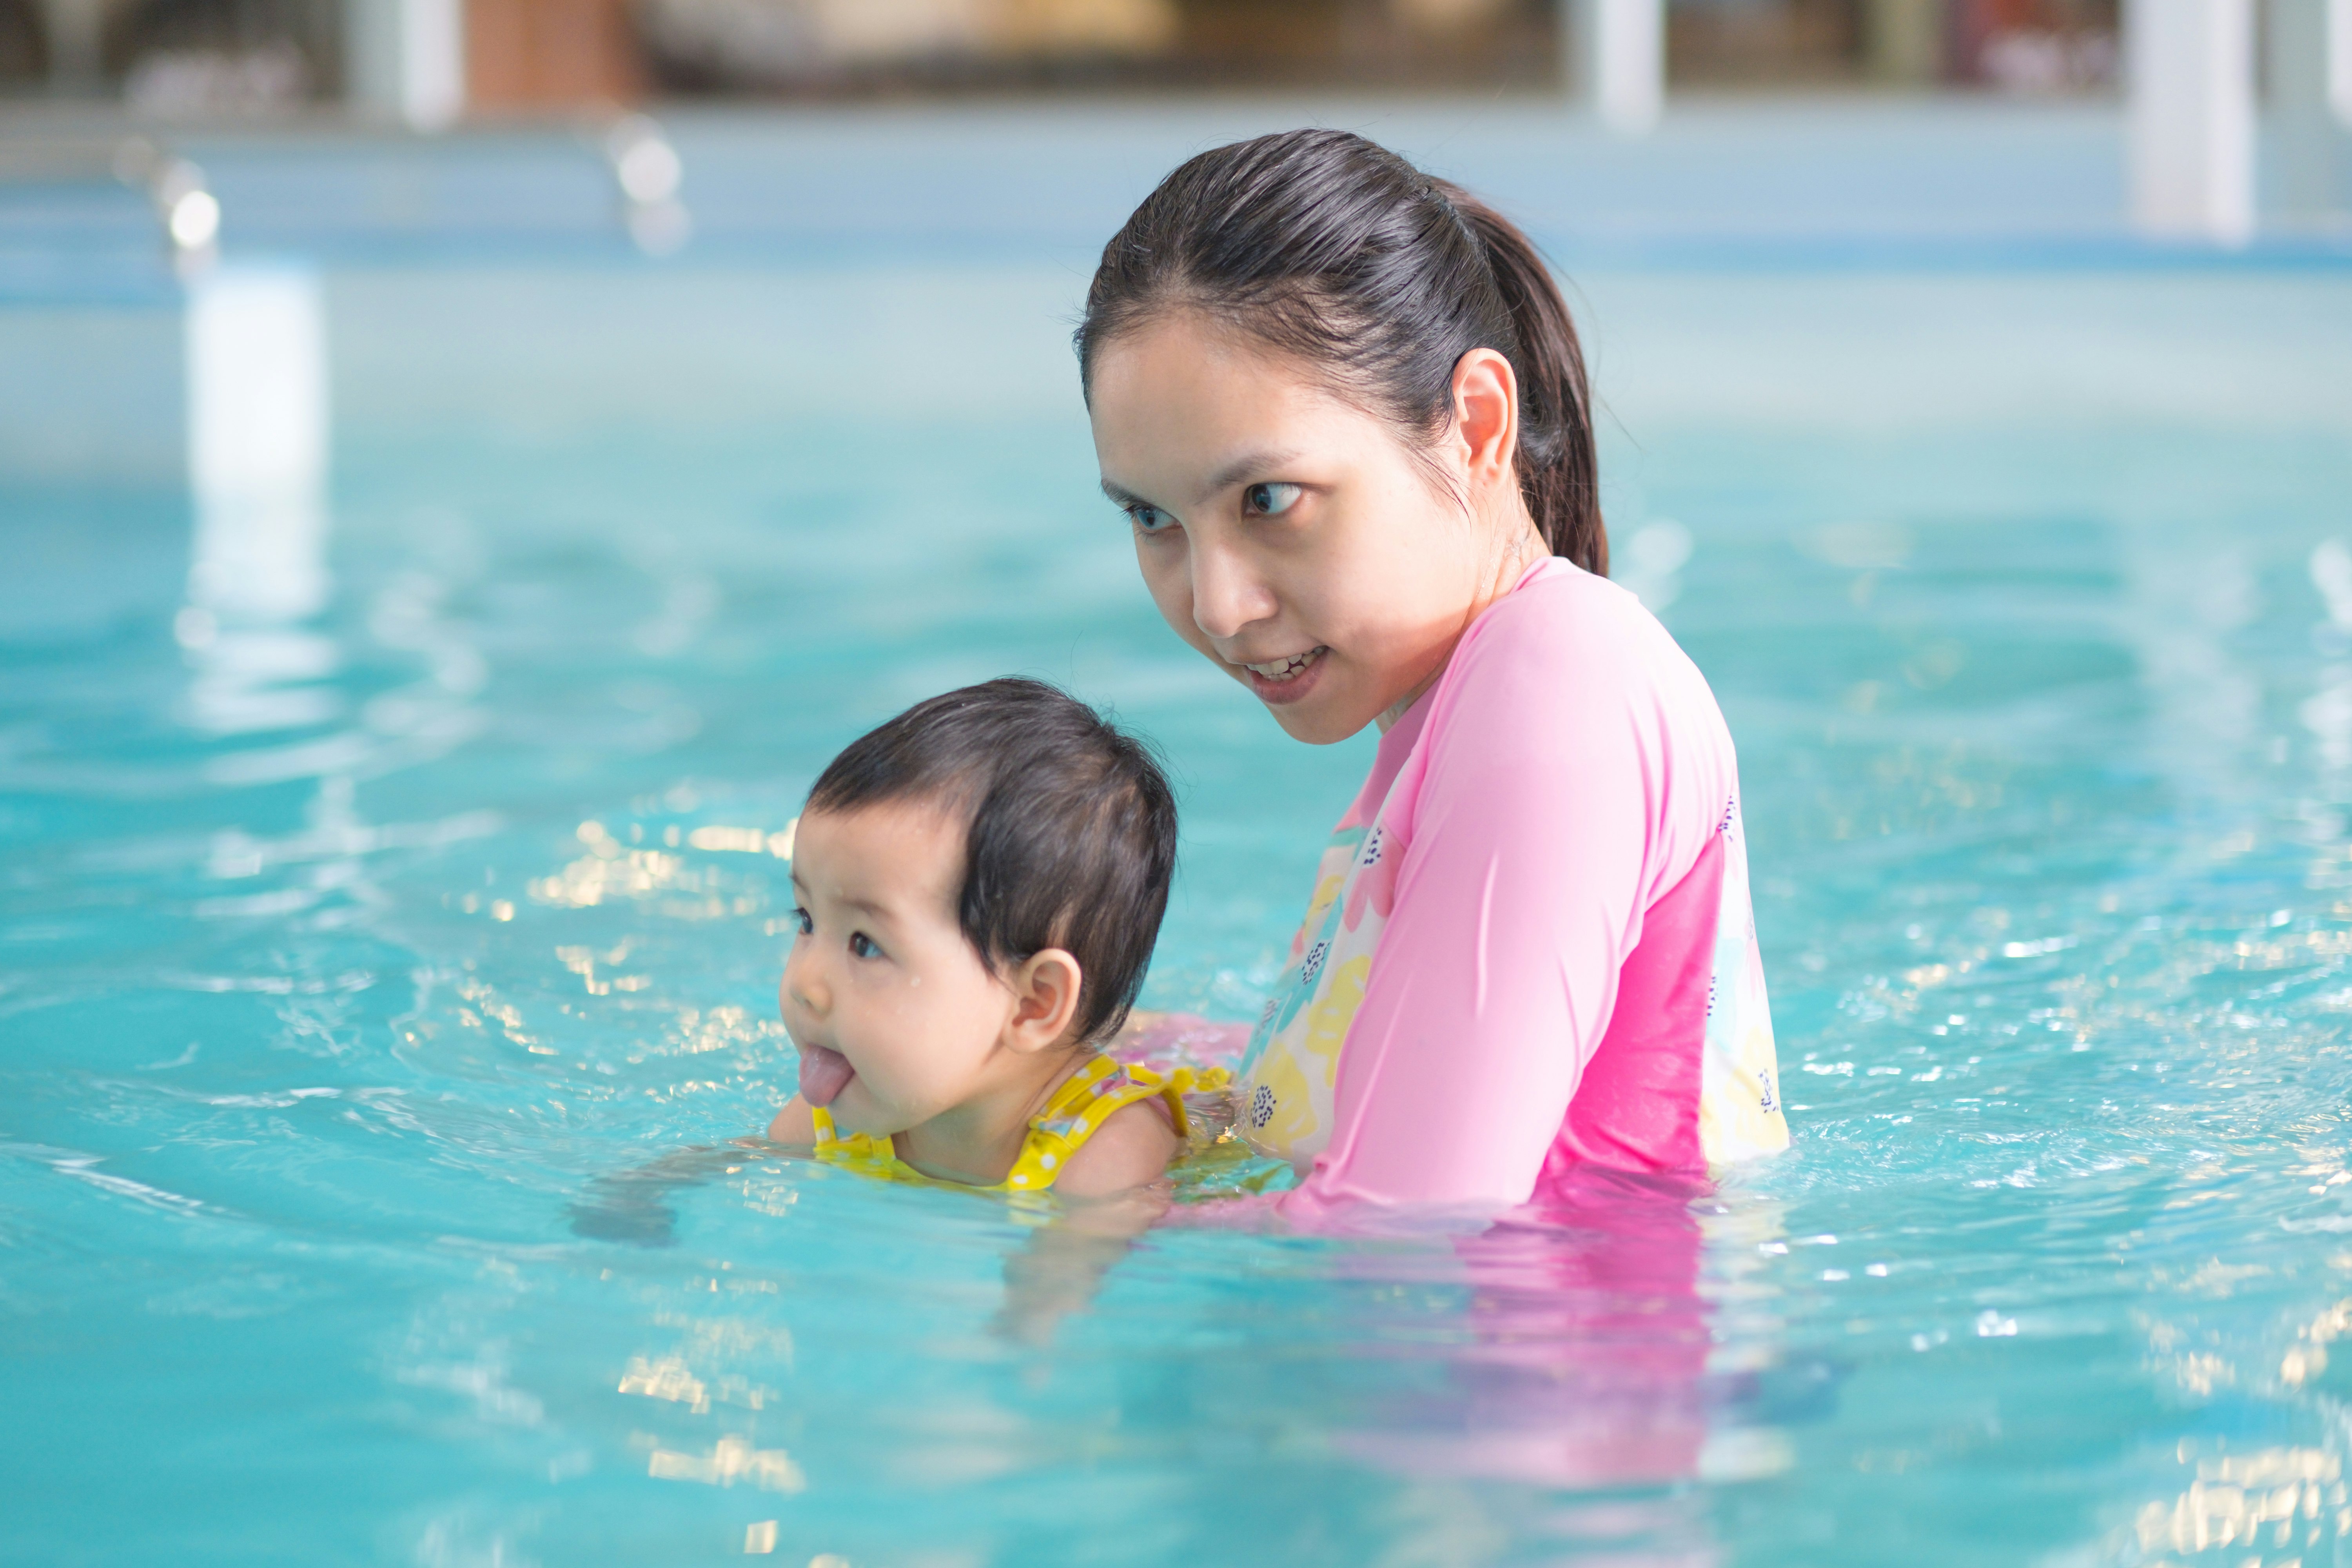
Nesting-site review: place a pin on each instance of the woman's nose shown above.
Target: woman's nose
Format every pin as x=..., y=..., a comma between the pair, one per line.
x=1226, y=595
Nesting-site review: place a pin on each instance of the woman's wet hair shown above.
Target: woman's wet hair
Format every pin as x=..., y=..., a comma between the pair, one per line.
x=1331, y=249
x=1070, y=829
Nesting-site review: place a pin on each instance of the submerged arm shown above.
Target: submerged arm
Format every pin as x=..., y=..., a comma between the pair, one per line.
x=1058, y=1269
x=1113, y=1190
x=632, y=1206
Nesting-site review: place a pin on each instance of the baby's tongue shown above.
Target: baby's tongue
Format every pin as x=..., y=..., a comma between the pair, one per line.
x=824, y=1074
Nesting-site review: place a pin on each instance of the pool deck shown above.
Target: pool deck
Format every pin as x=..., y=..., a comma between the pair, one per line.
x=1839, y=183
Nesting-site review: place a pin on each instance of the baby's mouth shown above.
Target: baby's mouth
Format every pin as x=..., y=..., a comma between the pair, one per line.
x=824, y=1073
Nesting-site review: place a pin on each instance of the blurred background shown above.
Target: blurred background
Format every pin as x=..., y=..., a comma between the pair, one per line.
x=175, y=56
x=2217, y=116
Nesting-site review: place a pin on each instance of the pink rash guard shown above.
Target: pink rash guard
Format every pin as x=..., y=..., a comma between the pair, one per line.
x=1529, y=951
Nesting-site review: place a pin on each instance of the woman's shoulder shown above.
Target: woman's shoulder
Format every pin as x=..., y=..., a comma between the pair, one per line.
x=1569, y=689
x=1560, y=602
x=1571, y=680
x=1567, y=638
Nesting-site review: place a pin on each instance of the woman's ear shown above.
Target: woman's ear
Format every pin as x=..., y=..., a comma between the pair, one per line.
x=1485, y=415
x=1045, y=1000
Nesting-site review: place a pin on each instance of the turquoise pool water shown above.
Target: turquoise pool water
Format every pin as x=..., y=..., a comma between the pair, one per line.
x=353, y=966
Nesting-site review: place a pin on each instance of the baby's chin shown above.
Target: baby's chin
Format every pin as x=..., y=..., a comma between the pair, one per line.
x=854, y=1111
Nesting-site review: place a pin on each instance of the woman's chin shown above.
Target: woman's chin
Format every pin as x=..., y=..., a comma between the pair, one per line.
x=1321, y=719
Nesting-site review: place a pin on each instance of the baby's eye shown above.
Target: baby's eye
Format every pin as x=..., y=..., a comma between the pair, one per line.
x=862, y=946
x=1149, y=519
x=1270, y=499
x=801, y=920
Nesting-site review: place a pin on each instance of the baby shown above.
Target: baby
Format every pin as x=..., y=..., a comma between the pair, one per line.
x=979, y=884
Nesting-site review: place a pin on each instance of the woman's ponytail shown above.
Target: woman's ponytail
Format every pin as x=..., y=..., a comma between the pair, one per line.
x=1336, y=251
x=1558, y=470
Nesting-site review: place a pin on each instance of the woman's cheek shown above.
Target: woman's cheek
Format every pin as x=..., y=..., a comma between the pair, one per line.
x=1171, y=587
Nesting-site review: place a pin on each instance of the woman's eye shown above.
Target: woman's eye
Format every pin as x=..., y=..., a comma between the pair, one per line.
x=1270, y=499
x=800, y=919
x=1149, y=519
x=862, y=946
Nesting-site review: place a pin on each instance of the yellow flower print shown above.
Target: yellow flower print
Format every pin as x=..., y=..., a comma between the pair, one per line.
x=1300, y=1080
x=1326, y=1025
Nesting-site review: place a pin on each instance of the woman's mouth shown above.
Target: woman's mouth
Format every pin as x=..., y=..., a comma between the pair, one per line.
x=824, y=1073
x=1285, y=679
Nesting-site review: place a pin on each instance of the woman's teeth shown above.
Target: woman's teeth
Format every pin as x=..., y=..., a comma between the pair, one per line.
x=1284, y=668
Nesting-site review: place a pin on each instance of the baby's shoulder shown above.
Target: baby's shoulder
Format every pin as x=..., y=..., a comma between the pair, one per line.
x=793, y=1127
x=1132, y=1147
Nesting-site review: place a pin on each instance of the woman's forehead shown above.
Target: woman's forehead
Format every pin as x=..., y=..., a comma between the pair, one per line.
x=1183, y=351
x=1174, y=408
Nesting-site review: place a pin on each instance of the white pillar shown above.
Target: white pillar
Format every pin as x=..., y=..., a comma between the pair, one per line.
x=2190, y=65
x=406, y=60
x=2306, y=148
x=257, y=369
x=1621, y=49
x=2339, y=61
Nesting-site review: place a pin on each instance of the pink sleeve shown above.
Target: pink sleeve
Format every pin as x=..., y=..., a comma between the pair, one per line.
x=1535, y=830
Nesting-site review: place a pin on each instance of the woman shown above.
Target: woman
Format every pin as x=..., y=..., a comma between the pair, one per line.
x=1343, y=405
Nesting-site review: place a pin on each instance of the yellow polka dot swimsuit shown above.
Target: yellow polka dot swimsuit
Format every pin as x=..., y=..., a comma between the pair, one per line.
x=1076, y=1111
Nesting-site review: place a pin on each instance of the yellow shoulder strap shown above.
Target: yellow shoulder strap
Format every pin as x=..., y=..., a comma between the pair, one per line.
x=1085, y=1101
x=1075, y=1113
x=860, y=1151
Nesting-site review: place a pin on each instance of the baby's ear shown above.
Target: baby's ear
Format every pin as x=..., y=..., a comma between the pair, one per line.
x=1045, y=1000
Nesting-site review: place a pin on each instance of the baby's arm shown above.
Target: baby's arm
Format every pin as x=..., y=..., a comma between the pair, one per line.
x=632, y=1206
x=793, y=1126
x=1059, y=1269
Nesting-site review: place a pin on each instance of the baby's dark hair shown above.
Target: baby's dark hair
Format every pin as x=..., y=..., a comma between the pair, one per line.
x=1070, y=834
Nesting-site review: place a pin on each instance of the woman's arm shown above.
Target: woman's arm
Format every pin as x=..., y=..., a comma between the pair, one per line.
x=1178, y=1040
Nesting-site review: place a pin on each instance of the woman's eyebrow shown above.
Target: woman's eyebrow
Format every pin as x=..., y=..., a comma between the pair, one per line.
x=1249, y=465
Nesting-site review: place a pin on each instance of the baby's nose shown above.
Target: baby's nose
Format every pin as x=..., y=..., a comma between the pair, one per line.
x=800, y=991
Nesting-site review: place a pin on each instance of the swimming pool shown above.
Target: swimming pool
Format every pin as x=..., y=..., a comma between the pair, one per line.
x=351, y=965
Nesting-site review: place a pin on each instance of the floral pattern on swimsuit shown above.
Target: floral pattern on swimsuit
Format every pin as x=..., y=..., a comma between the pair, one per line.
x=1289, y=1073
x=1739, y=1113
